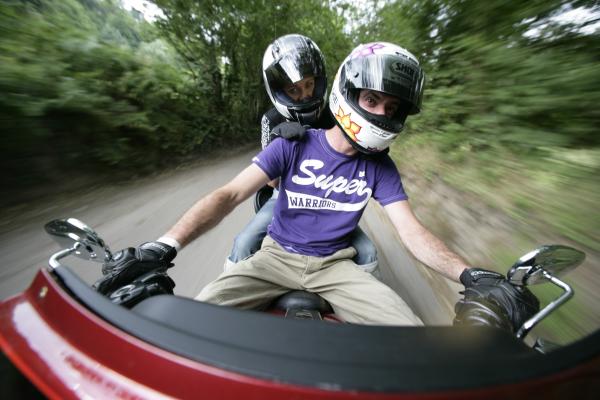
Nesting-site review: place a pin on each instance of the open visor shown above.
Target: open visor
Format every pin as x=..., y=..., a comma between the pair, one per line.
x=387, y=74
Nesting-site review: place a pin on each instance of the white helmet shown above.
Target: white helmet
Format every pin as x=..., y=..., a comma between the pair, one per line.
x=382, y=67
x=290, y=59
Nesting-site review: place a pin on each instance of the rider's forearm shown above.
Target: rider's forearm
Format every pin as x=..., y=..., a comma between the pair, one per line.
x=203, y=215
x=432, y=252
x=427, y=248
x=210, y=210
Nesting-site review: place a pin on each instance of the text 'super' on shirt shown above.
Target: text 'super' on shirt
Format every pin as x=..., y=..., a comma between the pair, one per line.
x=323, y=193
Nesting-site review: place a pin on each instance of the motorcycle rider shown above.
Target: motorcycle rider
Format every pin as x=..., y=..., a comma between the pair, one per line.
x=327, y=179
x=296, y=82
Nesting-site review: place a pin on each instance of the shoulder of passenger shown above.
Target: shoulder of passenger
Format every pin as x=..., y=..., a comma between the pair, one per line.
x=273, y=117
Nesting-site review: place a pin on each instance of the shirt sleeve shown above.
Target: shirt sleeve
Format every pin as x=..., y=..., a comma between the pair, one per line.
x=388, y=188
x=272, y=159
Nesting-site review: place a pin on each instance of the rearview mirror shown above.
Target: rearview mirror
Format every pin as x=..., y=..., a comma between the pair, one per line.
x=72, y=233
x=545, y=264
x=555, y=260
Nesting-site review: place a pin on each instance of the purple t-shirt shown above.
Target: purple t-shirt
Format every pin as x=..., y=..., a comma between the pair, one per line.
x=323, y=193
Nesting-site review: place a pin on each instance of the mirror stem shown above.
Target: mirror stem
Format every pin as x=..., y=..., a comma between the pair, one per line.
x=543, y=313
x=62, y=254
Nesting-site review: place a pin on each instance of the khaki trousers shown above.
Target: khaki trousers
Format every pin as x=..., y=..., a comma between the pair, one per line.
x=355, y=295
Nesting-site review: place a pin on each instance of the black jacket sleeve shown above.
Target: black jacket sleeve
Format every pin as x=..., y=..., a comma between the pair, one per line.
x=269, y=120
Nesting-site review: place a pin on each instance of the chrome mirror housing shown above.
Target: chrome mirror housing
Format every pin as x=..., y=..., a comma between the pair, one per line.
x=555, y=260
x=541, y=265
x=81, y=240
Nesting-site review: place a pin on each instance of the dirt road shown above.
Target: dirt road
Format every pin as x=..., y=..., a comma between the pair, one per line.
x=127, y=216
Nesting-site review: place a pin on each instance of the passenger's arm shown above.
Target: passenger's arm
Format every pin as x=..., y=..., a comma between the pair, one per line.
x=211, y=209
x=427, y=248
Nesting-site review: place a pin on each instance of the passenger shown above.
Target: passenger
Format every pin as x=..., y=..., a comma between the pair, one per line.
x=296, y=82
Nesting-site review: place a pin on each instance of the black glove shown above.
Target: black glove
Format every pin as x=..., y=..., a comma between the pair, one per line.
x=489, y=299
x=290, y=130
x=129, y=264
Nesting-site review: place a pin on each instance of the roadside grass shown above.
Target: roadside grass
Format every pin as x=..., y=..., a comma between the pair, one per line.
x=549, y=188
x=548, y=194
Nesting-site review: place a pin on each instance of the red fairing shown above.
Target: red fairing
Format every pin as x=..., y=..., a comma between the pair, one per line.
x=69, y=352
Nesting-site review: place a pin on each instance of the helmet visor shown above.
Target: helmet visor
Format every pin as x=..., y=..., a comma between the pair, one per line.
x=297, y=66
x=390, y=74
x=301, y=94
x=293, y=68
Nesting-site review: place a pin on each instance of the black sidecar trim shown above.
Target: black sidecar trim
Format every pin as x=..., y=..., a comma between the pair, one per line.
x=333, y=356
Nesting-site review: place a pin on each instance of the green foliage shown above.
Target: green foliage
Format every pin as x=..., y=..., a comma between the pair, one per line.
x=87, y=87
x=223, y=43
x=493, y=82
x=495, y=87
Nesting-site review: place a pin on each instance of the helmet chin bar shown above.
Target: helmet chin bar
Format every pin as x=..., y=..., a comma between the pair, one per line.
x=306, y=118
x=356, y=146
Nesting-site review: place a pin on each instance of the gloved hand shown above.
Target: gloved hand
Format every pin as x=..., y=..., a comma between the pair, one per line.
x=290, y=130
x=129, y=264
x=489, y=299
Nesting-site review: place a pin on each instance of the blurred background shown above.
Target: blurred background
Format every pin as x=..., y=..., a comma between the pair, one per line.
x=504, y=157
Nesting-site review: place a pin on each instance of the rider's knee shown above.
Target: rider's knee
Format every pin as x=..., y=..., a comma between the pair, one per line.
x=366, y=254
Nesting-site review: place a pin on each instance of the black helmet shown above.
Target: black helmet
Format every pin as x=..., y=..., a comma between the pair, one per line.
x=287, y=61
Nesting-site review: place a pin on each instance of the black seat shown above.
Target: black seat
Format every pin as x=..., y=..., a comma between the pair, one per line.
x=301, y=300
x=262, y=196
